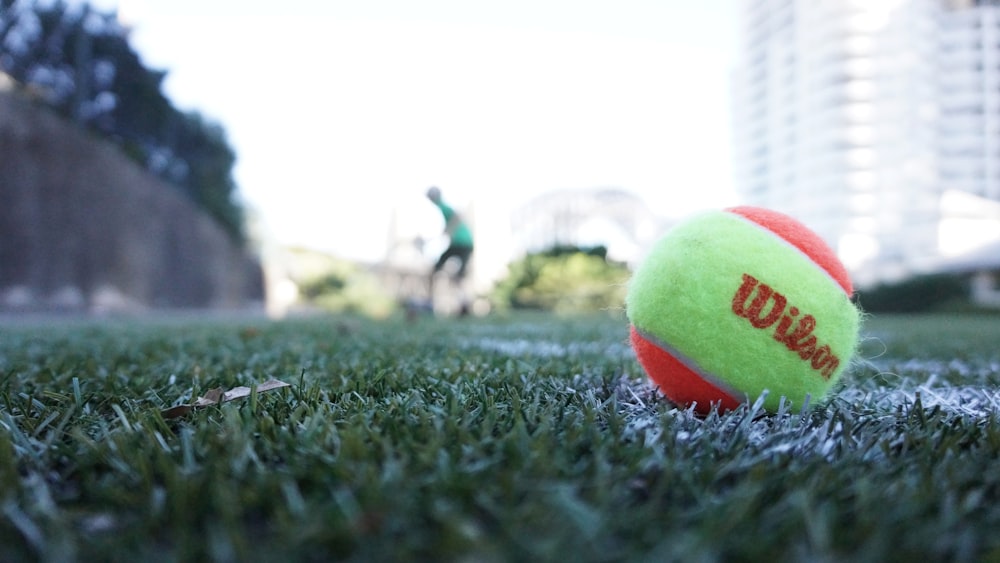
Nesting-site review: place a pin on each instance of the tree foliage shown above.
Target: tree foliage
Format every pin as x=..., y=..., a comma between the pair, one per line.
x=341, y=286
x=79, y=61
x=564, y=279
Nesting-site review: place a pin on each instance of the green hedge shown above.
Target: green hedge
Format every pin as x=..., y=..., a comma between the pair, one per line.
x=564, y=279
x=933, y=292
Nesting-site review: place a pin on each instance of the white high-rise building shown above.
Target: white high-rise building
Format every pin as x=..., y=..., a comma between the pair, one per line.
x=877, y=123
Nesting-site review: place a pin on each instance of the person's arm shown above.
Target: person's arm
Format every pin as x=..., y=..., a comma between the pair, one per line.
x=452, y=220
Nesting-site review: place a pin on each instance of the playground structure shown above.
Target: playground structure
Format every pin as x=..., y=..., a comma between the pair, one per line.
x=406, y=274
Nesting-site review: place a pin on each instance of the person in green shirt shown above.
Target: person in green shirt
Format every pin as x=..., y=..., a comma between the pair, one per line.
x=459, y=238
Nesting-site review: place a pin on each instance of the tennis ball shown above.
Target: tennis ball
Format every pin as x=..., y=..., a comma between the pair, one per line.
x=734, y=302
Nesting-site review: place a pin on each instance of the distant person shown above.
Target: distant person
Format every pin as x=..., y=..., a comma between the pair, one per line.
x=459, y=243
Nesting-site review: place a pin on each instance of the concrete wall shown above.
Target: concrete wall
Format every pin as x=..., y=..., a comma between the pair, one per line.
x=82, y=227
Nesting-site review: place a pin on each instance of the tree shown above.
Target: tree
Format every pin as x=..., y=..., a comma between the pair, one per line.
x=79, y=61
x=564, y=279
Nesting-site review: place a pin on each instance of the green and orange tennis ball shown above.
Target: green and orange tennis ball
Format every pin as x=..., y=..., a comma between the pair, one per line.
x=732, y=303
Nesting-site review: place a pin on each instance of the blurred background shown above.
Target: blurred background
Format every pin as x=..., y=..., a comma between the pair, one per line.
x=264, y=156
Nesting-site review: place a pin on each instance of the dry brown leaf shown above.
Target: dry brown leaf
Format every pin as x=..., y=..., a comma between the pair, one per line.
x=211, y=397
x=219, y=395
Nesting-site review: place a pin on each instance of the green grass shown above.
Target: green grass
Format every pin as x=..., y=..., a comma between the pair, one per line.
x=525, y=438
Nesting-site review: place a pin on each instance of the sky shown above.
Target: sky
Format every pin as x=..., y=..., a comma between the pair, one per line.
x=343, y=112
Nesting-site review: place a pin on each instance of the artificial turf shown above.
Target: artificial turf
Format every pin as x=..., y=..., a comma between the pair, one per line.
x=506, y=438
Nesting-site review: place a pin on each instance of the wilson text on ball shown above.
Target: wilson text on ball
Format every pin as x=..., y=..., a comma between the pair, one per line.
x=799, y=339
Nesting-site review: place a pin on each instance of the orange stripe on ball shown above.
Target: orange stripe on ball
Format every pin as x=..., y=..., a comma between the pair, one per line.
x=677, y=381
x=797, y=235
